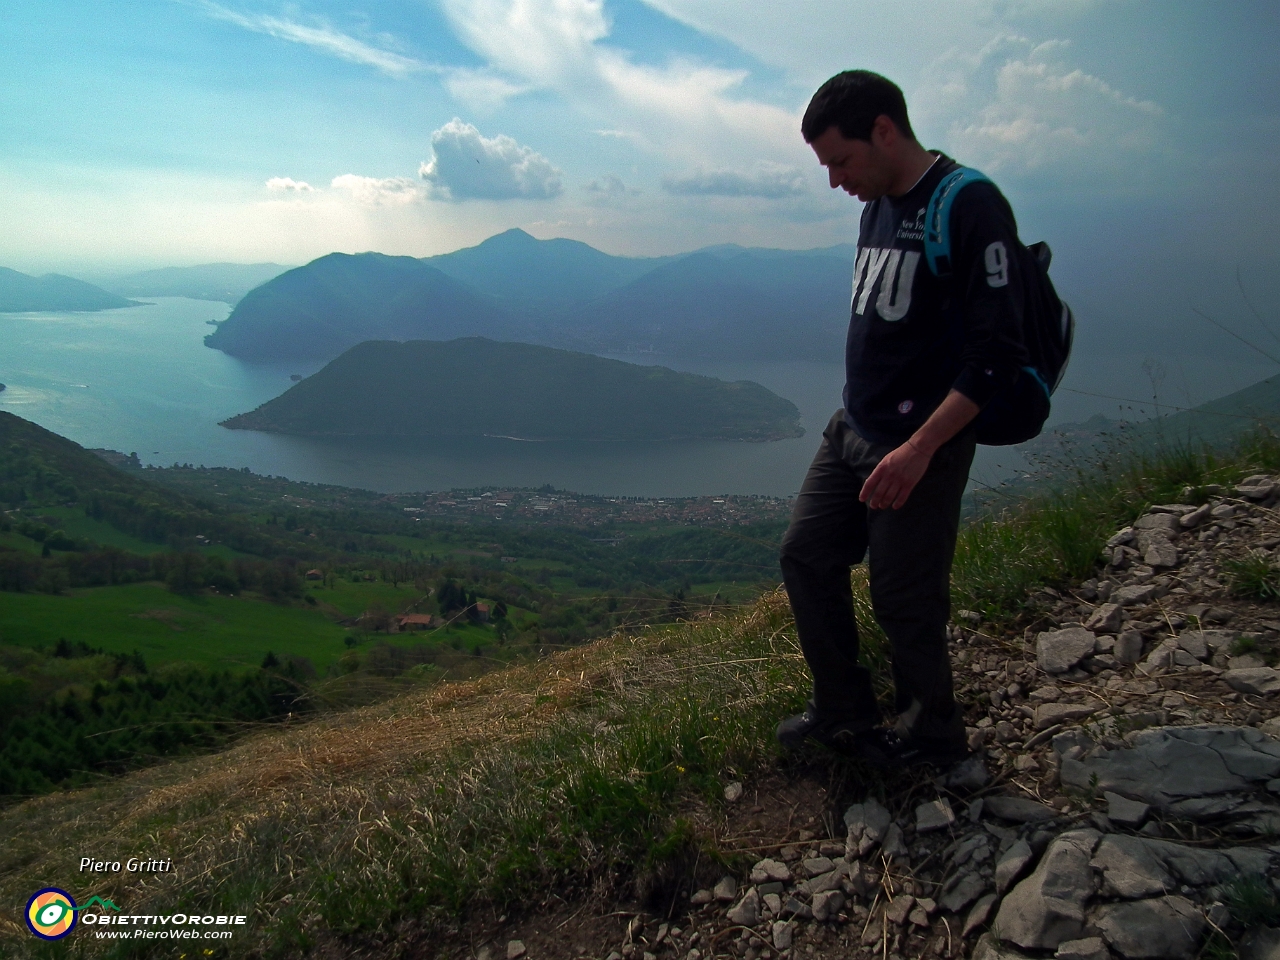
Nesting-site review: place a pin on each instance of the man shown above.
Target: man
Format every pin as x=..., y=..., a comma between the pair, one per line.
x=924, y=354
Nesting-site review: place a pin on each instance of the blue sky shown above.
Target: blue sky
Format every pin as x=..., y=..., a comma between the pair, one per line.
x=161, y=132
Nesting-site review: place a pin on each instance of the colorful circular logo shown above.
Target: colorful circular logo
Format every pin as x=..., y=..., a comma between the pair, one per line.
x=51, y=913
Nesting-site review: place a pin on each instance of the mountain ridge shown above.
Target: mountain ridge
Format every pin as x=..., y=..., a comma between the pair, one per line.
x=21, y=293
x=724, y=302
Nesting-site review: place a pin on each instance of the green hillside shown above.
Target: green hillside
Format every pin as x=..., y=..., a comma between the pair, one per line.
x=478, y=387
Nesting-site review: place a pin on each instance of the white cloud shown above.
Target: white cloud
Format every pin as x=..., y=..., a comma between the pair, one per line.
x=768, y=180
x=289, y=185
x=610, y=190
x=466, y=165
x=321, y=37
x=610, y=185
x=1019, y=106
x=686, y=110
x=379, y=191
x=481, y=89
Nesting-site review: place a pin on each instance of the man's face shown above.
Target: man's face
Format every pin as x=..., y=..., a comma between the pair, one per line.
x=858, y=167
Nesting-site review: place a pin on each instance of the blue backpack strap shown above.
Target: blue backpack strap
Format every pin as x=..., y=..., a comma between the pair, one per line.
x=937, y=229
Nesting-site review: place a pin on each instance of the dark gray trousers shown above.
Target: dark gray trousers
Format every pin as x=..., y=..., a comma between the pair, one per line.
x=910, y=552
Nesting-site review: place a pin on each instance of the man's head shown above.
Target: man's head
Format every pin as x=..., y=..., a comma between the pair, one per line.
x=851, y=102
x=857, y=125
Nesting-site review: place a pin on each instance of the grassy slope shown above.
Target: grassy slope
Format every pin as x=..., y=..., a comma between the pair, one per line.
x=169, y=628
x=474, y=789
x=571, y=772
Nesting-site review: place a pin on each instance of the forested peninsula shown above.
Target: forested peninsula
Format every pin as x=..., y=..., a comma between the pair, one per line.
x=475, y=387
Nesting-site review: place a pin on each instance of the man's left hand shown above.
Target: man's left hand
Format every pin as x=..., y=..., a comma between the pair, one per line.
x=894, y=477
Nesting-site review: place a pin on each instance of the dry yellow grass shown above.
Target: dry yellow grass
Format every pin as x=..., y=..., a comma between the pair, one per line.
x=318, y=809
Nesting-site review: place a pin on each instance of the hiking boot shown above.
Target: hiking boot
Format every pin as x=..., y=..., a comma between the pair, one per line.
x=886, y=748
x=840, y=735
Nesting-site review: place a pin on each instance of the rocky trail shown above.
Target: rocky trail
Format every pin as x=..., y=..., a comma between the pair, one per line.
x=1123, y=800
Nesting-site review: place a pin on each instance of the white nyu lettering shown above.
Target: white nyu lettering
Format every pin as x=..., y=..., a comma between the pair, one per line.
x=895, y=292
x=859, y=271
x=875, y=262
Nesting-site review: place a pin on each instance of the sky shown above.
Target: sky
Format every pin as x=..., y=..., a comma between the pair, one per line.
x=1140, y=138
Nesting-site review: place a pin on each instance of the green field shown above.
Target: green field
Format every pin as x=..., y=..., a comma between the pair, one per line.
x=168, y=628
x=350, y=598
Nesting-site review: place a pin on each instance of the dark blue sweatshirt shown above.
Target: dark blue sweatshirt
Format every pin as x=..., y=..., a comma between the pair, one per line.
x=913, y=336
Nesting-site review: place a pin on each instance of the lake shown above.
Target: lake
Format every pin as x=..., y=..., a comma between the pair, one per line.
x=141, y=380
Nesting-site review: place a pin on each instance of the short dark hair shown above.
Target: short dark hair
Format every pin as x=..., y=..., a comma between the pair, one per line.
x=851, y=102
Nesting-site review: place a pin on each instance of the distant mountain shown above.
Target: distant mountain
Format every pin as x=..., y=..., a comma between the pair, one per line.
x=476, y=387
x=750, y=305
x=318, y=311
x=1215, y=423
x=20, y=293
x=227, y=282
x=725, y=302
x=539, y=277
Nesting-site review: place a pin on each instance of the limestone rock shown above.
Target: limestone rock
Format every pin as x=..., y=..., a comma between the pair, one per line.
x=934, y=815
x=1048, y=714
x=1164, y=928
x=1198, y=866
x=1259, y=681
x=988, y=948
x=769, y=869
x=1128, y=648
x=1011, y=865
x=1134, y=595
x=967, y=776
x=1106, y=618
x=898, y=909
x=797, y=909
x=782, y=933
x=1125, y=812
x=1164, y=657
x=1130, y=868
x=1256, y=491
x=725, y=890
x=1048, y=907
x=1057, y=651
x=1262, y=943
x=747, y=911
x=828, y=904
x=967, y=889
x=1196, y=517
x=1018, y=809
x=1160, y=553
x=1090, y=948
x=979, y=913
x=821, y=883
x=1161, y=765
x=893, y=845
x=1165, y=523
x=866, y=823
x=813, y=866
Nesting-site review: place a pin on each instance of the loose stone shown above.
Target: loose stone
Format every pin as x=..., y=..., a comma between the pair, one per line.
x=726, y=889
x=935, y=815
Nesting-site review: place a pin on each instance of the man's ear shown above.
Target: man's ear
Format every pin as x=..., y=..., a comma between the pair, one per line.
x=884, y=132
